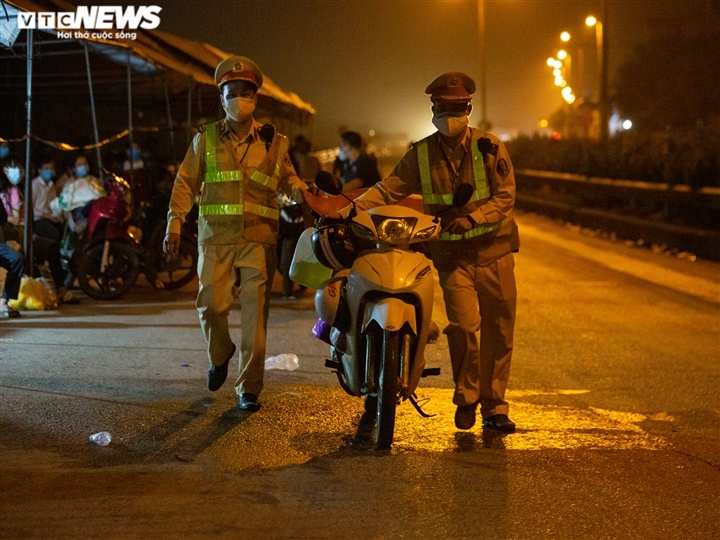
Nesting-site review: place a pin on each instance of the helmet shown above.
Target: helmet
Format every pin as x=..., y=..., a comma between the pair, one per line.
x=334, y=246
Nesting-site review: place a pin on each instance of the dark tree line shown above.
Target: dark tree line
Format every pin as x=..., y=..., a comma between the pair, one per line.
x=672, y=81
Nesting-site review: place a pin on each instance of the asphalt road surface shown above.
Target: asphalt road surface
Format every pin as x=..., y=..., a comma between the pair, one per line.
x=615, y=389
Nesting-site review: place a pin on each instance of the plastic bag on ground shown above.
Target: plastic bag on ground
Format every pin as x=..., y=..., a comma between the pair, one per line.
x=285, y=362
x=35, y=294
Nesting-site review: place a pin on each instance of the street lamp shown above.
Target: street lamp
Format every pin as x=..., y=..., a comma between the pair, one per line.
x=484, y=123
x=601, y=47
x=561, y=70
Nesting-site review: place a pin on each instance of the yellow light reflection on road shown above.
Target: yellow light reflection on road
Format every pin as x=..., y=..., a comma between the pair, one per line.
x=307, y=422
x=540, y=427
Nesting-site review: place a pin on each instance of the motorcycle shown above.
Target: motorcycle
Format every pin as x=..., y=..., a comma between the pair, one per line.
x=375, y=308
x=106, y=261
x=166, y=271
x=117, y=244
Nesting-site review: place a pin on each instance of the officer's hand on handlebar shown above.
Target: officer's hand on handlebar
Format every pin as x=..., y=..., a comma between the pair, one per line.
x=458, y=225
x=171, y=244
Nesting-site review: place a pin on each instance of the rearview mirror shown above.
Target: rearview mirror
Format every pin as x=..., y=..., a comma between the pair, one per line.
x=328, y=182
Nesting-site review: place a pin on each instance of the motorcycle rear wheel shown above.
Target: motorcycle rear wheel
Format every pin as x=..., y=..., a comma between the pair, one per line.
x=119, y=276
x=388, y=386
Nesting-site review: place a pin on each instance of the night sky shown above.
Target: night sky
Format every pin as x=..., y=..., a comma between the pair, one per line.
x=364, y=64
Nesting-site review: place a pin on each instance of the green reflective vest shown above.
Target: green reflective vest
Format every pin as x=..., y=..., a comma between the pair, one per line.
x=480, y=195
x=232, y=200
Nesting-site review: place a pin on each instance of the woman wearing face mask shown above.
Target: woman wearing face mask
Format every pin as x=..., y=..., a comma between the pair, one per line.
x=80, y=190
x=44, y=249
x=10, y=259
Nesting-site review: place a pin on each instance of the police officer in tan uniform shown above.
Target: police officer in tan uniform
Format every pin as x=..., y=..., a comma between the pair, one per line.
x=474, y=254
x=238, y=167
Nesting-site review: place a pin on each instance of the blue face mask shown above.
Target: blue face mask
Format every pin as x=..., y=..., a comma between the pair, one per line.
x=81, y=171
x=13, y=174
x=46, y=174
x=4, y=152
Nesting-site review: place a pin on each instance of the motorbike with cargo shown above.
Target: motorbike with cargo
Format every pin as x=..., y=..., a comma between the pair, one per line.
x=374, y=299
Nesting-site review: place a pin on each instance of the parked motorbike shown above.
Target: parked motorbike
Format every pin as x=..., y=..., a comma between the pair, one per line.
x=375, y=309
x=165, y=271
x=105, y=260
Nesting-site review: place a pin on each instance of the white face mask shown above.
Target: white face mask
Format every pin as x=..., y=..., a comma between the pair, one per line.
x=450, y=126
x=342, y=156
x=13, y=174
x=239, y=109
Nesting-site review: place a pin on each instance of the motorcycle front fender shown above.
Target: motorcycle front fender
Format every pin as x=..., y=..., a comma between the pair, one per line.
x=391, y=314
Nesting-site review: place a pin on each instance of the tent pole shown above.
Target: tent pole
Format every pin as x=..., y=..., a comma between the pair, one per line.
x=92, y=109
x=130, y=112
x=27, y=239
x=189, y=110
x=169, y=120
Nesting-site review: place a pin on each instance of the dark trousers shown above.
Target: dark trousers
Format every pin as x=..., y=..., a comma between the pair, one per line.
x=48, y=228
x=12, y=261
x=45, y=249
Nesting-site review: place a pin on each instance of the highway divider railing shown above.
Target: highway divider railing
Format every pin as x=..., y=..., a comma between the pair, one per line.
x=672, y=216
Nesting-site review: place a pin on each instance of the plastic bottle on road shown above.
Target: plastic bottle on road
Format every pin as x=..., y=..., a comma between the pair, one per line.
x=102, y=438
x=283, y=361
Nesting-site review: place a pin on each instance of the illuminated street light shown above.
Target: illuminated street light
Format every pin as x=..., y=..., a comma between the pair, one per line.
x=627, y=124
x=565, y=36
x=551, y=62
x=601, y=47
x=562, y=54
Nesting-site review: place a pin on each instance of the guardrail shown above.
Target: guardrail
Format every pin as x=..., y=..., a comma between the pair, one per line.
x=674, y=216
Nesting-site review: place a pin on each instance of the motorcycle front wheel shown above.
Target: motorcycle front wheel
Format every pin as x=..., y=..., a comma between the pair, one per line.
x=121, y=272
x=388, y=387
x=168, y=272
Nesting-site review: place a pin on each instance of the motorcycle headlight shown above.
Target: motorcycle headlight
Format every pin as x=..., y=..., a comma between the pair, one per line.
x=394, y=230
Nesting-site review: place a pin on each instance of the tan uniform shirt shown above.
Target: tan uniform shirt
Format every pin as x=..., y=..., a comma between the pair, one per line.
x=448, y=168
x=247, y=152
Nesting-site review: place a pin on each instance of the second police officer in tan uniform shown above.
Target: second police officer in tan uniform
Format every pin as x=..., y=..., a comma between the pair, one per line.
x=238, y=167
x=474, y=254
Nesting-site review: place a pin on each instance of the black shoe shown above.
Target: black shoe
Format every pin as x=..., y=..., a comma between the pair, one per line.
x=217, y=374
x=248, y=402
x=500, y=422
x=465, y=416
